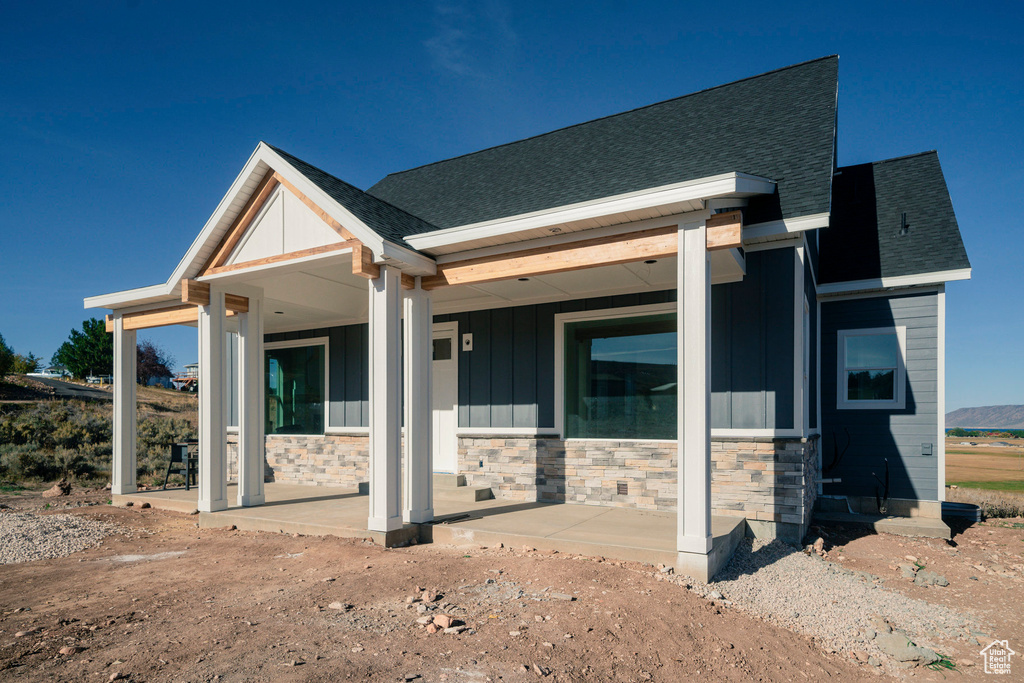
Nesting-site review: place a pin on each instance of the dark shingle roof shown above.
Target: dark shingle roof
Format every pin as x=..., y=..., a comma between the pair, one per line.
x=779, y=125
x=863, y=240
x=388, y=221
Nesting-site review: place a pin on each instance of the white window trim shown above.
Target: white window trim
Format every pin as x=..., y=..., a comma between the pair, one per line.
x=900, y=402
x=578, y=316
x=298, y=343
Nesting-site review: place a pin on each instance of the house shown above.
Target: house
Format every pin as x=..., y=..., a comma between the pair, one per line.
x=187, y=379
x=682, y=308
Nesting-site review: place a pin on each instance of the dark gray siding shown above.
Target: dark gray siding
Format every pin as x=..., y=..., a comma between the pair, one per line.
x=752, y=345
x=811, y=293
x=879, y=434
x=507, y=380
x=349, y=354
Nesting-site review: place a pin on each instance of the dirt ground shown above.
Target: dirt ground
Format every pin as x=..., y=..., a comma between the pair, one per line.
x=168, y=601
x=984, y=564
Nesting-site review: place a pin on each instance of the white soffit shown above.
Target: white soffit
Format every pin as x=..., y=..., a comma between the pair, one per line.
x=630, y=207
x=923, y=279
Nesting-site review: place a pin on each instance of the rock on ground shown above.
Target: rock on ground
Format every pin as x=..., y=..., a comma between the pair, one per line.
x=25, y=537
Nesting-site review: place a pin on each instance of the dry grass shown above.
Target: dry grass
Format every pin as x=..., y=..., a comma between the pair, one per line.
x=992, y=503
x=983, y=467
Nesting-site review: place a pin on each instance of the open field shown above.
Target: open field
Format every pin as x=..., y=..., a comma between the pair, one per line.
x=985, y=467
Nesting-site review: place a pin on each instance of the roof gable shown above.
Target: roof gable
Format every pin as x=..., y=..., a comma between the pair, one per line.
x=390, y=222
x=779, y=125
x=864, y=239
x=284, y=225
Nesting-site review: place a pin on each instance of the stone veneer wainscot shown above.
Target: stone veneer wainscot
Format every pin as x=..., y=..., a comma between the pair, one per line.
x=770, y=482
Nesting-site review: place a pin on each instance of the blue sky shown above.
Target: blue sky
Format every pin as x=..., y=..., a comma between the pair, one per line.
x=123, y=124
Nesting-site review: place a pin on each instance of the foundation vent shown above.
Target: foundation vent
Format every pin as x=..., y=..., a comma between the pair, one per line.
x=622, y=488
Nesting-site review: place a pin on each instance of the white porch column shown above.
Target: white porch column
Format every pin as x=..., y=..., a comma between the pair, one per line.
x=125, y=426
x=250, y=404
x=419, y=457
x=694, y=404
x=213, y=409
x=385, y=400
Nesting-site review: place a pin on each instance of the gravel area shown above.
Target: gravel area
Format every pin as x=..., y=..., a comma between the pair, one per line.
x=25, y=537
x=840, y=607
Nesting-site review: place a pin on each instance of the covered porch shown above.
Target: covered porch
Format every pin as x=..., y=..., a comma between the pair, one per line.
x=289, y=252
x=617, y=533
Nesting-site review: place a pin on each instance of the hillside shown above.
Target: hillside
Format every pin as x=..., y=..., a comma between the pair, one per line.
x=987, y=417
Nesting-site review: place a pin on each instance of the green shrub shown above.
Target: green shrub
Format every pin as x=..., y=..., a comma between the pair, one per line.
x=73, y=439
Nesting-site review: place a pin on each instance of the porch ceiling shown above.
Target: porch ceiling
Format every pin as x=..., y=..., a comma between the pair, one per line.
x=640, y=276
x=324, y=293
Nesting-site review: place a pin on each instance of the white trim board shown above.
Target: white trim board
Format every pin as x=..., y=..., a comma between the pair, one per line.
x=940, y=443
x=879, y=293
x=343, y=431
x=934, y=278
x=473, y=432
x=784, y=228
x=741, y=184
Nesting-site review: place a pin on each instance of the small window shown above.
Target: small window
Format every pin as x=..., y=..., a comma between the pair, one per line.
x=872, y=368
x=443, y=348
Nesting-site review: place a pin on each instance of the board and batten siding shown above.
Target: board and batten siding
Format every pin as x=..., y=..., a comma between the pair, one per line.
x=507, y=380
x=752, y=350
x=811, y=295
x=876, y=435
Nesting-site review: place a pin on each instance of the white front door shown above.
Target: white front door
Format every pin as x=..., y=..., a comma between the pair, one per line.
x=445, y=400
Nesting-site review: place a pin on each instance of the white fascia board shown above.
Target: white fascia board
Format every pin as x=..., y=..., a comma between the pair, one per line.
x=128, y=297
x=189, y=264
x=142, y=295
x=785, y=228
x=262, y=158
x=934, y=278
x=737, y=184
x=383, y=250
x=418, y=264
x=360, y=230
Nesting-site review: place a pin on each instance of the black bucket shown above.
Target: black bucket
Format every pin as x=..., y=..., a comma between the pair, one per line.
x=962, y=511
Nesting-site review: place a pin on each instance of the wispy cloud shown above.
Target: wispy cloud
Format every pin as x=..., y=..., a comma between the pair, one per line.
x=470, y=40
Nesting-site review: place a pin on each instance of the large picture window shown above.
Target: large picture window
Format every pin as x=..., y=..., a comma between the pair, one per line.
x=295, y=389
x=872, y=371
x=620, y=377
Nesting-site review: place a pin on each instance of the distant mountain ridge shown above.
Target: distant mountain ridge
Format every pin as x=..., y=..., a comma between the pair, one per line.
x=987, y=417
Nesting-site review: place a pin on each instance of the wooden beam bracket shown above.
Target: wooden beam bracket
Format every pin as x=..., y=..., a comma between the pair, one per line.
x=725, y=230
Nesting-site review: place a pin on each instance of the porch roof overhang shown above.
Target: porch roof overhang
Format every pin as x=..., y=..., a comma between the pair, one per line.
x=263, y=161
x=617, y=221
x=665, y=200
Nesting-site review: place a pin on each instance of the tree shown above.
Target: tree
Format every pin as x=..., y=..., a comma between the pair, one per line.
x=6, y=358
x=25, y=364
x=152, y=362
x=87, y=352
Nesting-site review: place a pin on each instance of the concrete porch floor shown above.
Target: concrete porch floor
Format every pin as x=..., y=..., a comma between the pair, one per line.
x=618, y=533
